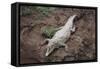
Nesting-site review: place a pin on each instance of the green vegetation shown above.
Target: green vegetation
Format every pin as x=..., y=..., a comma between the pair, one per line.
x=26, y=10
x=49, y=31
x=42, y=11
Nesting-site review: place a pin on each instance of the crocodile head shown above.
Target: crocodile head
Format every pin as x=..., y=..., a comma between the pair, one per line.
x=50, y=47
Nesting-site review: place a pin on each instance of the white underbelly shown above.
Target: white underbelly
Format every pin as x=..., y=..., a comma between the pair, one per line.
x=62, y=36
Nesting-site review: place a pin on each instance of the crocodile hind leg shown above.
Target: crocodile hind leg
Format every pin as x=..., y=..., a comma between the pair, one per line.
x=73, y=29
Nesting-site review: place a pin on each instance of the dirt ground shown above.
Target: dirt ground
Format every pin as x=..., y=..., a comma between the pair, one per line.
x=81, y=45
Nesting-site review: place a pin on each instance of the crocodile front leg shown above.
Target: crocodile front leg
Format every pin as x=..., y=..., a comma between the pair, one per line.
x=45, y=42
x=63, y=45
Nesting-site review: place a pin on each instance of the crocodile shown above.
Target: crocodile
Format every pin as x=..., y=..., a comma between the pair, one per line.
x=61, y=36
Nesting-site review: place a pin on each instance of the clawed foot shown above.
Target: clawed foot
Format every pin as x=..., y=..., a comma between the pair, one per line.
x=45, y=42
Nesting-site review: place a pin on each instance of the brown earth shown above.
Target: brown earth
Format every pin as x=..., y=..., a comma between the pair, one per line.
x=81, y=45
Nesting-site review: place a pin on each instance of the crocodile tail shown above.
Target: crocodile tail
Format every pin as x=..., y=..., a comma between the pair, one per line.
x=70, y=20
